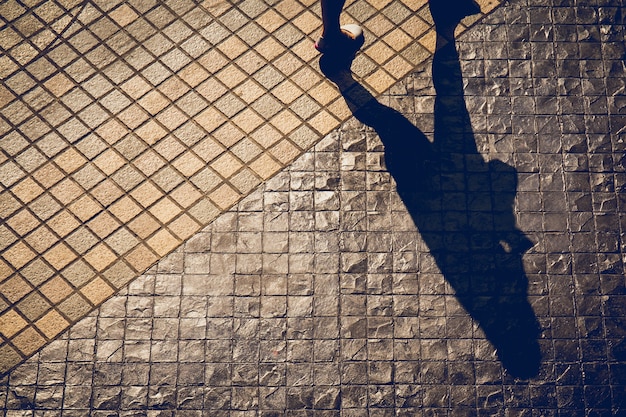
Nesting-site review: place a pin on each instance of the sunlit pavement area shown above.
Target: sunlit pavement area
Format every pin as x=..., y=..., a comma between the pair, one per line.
x=193, y=222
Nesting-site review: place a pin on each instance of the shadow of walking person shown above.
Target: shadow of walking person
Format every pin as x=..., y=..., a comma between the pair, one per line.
x=461, y=204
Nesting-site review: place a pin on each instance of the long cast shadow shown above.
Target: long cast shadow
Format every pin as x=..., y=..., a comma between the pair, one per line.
x=461, y=204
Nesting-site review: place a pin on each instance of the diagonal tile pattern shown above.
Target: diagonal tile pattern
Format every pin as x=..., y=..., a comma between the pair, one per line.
x=126, y=127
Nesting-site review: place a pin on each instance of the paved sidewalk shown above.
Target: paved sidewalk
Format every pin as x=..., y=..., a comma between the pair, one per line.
x=129, y=126
x=316, y=294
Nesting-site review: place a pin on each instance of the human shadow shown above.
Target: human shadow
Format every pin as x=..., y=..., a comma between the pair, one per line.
x=461, y=204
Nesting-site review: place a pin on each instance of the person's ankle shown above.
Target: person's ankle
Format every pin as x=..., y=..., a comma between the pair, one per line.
x=332, y=35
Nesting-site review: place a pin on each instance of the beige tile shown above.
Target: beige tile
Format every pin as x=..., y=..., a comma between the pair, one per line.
x=210, y=119
x=245, y=181
x=19, y=255
x=304, y=137
x=185, y=195
x=107, y=192
x=23, y=222
x=133, y=116
x=75, y=307
x=193, y=74
x=56, y=289
x=165, y=210
x=9, y=357
x=270, y=20
x=307, y=22
x=103, y=224
x=226, y=165
x=213, y=61
x=149, y=162
x=119, y=274
x=5, y=270
x=153, y=102
x=339, y=108
x=163, y=242
x=144, y=225
x=285, y=152
x=109, y=161
x=246, y=150
x=29, y=341
x=52, y=324
x=146, y=194
x=151, y=132
x=125, y=209
x=97, y=291
x=112, y=131
x=204, y=211
x=41, y=239
x=63, y=223
x=27, y=190
x=33, y=306
x=250, y=62
x=7, y=66
x=100, y=257
x=59, y=84
x=287, y=92
x=48, y=175
x=269, y=48
x=249, y=91
x=8, y=205
x=415, y=27
x=11, y=323
x=380, y=80
x=123, y=15
x=136, y=87
x=70, y=160
x=122, y=241
x=324, y=122
x=248, y=120
x=324, y=93
x=78, y=273
x=171, y=118
x=173, y=88
x=141, y=258
x=266, y=136
x=228, y=135
x=232, y=47
x=59, y=256
x=380, y=52
x=7, y=237
x=429, y=41
x=379, y=25
x=67, y=191
x=398, y=67
x=231, y=76
x=44, y=207
x=37, y=272
x=265, y=166
x=15, y=288
x=224, y=196
x=289, y=8
x=285, y=121
x=184, y=227
x=188, y=164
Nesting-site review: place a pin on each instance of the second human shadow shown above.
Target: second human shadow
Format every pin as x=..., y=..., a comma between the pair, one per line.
x=461, y=204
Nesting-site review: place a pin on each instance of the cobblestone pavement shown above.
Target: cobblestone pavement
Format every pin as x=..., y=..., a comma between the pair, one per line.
x=129, y=126
x=316, y=295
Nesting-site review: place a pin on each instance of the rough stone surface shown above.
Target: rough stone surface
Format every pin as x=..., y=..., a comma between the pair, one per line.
x=318, y=295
